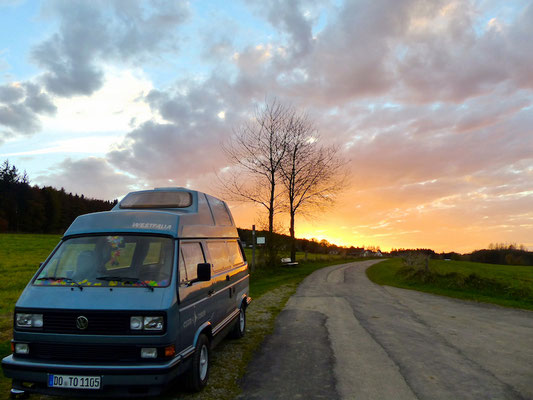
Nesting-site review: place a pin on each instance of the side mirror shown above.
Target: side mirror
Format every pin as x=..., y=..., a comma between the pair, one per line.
x=204, y=272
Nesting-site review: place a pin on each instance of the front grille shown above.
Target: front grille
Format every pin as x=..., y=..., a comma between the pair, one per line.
x=83, y=352
x=100, y=323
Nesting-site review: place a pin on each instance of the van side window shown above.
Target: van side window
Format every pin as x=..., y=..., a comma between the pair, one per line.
x=235, y=252
x=219, y=255
x=220, y=212
x=191, y=256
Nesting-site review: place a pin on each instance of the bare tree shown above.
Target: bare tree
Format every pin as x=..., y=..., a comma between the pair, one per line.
x=256, y=150
x=311, y=172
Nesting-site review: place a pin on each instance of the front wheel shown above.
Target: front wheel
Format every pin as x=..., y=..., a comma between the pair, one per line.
x=199, y=372
x=240, y=327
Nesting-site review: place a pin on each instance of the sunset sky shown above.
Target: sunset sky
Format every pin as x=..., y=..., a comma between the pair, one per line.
x=430, y=101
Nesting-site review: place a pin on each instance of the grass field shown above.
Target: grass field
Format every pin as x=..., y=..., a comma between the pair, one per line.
x=20, y=255
x=506, y=285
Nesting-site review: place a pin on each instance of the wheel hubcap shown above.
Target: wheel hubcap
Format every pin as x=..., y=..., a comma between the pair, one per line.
x=204, y=361
x=241, y=321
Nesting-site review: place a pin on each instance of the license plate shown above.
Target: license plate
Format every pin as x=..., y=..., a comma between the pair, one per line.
x=74, y=382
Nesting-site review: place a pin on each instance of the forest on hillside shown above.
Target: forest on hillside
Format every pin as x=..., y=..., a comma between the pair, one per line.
x=26, y=208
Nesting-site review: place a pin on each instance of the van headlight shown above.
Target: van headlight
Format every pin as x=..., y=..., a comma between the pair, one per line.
x=136, y=323
x=153, y=323
x=147, y=323
x=29, y=320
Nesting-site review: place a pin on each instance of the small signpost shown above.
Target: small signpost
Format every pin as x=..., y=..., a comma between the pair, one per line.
x=253, y=248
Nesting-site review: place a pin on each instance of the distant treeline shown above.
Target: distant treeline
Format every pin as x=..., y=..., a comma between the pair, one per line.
x=401, y=252
x=510, y=256
x=504, y=254
x=30, y=209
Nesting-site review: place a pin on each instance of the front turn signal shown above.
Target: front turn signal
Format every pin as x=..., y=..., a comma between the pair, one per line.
x=170, y=351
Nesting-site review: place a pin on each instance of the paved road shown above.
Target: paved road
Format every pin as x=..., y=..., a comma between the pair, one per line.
x=343, y=337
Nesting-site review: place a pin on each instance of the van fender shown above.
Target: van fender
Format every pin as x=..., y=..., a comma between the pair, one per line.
x=245, y=301
x=205, y=326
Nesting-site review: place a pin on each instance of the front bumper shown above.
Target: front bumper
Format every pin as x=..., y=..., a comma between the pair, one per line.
x=121, y=380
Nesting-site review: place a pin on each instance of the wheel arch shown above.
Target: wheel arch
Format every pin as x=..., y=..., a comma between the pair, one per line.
x=206, y=329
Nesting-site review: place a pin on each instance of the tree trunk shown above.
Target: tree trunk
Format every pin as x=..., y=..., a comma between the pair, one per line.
x=293, y=239
x=270, y=248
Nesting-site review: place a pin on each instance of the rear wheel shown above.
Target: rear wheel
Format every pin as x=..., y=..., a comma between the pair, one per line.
x=240, y=327
x=199, y=372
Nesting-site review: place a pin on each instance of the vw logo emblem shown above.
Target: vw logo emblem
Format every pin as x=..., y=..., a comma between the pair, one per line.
x=82, y=322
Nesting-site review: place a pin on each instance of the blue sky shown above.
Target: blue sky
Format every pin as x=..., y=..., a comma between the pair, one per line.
x=429, y=101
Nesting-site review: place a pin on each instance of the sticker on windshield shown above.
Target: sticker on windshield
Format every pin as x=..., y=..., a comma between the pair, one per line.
x=116, y=243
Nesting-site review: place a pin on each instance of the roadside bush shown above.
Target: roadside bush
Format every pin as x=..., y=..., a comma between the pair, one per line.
x=416, y=264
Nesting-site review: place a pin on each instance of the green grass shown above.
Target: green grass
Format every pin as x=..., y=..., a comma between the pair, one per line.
x=265, y=279
x=505, y=285
x=20, y=255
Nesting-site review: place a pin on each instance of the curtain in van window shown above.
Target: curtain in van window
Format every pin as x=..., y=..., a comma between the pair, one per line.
x=192, y=255
x=235, y=252
x=219, y=255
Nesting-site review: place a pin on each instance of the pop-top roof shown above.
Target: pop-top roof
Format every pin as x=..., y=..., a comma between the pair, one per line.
x=177, y=212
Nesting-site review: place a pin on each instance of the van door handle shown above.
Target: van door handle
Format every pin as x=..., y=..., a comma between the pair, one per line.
x=227, y=277
x=210, y=293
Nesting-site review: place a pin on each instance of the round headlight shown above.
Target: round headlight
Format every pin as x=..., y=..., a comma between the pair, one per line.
x=136, y=323
x=37, y=320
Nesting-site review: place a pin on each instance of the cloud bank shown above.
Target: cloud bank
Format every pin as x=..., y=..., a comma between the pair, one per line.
x=431, y=102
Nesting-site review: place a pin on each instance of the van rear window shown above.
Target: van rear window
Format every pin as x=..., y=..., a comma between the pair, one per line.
x=157, y=199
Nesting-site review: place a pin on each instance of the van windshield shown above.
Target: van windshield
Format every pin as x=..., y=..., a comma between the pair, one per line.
x=130, y=261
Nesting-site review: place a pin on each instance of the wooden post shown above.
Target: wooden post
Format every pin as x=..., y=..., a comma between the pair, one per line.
x=253, y=248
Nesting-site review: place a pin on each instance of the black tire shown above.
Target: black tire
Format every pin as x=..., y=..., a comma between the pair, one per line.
x=198, y=374
x=240, y=327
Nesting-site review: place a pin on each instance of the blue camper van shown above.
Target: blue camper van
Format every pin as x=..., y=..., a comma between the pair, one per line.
x=131, y=298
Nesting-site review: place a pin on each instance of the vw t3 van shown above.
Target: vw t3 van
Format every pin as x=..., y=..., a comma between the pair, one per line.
x=132, y=298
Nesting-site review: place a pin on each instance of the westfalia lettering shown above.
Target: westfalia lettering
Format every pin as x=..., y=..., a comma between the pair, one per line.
x=147, y=225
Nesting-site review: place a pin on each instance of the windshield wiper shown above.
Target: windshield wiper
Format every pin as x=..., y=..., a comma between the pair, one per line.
x=60, y=278
x=126, y=280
